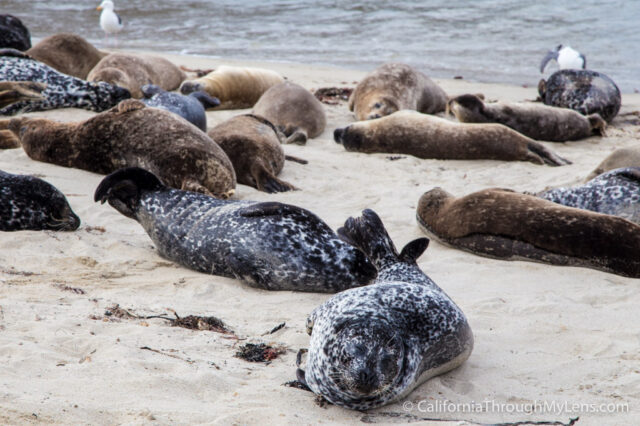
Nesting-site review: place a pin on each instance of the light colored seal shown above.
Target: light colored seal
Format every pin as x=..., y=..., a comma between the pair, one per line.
x=427, y=136
x=68, y=53
x=236, y=87
x=30, y=203
x=506, y=225
x=536, y=121
x=134, y=71
x=16, y=91
x=293, y=110
x=373, y=345
x=131, y=134
x=621, y=157
x=270, y=245
x=393, y=87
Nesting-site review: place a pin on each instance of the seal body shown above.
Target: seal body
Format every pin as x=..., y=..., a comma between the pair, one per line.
x=13, y=33
x=427, y=136
x=68, y=53
x=507, y=225
x=532, y=120
x=63, y=91
x=373, y=345
x=393, y=87
x=293, y=110
x=236, y=87
x=621, y=157
x=132, y=135
x=270, y=245
x=191, y=108
x=616, y=192
x=30, y=203
x=585, y=91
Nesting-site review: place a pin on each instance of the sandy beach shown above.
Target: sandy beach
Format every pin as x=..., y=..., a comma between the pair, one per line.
x=563, y=340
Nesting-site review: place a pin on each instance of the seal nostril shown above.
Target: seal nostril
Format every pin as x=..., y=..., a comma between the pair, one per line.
x=338, y=134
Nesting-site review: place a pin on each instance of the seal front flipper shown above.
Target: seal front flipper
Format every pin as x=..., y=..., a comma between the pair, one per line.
x=296, y=136
x=122, y=189
x=539, y=154
x=295, y=159
x=269, y=208
x=207, y=101
x=128, y=105
x=14, y=53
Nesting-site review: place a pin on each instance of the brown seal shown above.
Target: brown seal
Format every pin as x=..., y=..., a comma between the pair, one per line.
x=132, y=135
x=68, y=53
x=536, y=121
x=428, y=136
x=293, y=110
x=134, y=71
x=622, y=157
x=253, y=145
x=503, y=224
x=15, y=91
x=393, y=87
x=236, y=87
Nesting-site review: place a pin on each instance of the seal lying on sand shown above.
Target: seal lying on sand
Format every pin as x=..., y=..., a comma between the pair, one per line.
x=507, y=225
x=427, y=136
x=63, y=91
x=533, y=120
x=393, y=87
x=585, y=91
x=191, y=108
x=13, y=33
x=293, y=110
x=373, y=345
x=269, y=245
x=29, y=203
x=132, y=135
x=621, y=157
x=68, y=53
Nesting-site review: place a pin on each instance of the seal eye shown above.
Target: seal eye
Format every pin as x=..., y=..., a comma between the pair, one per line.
x=377, y=105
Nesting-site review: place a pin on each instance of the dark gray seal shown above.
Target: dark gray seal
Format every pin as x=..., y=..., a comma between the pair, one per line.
x=585, y=91
x=30, y=203
x=191, y=107
x=269, y=245
x=616, y=192
x=13, y=33
x=373, y=345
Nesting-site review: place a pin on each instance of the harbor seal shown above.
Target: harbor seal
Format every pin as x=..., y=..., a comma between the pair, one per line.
x=536, y=121
x=13, y=33
x=272, y=246
x=506, y=225
x=134, y=71
x=621, y=157
x=191, y=107
x=16, y=91
x=62, y=91
x=616, y=192
x=131, y=134
x=236, y=87
x=253, y=146
x=293, y=110
x=30, y=203
x=68, y=53
x=393, y=87
x=373, y=345
x=585, y=91
x=427, y=136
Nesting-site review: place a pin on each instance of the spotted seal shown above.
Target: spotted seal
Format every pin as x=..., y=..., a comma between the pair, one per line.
x=393, y=87
x=13, y=33
x=506, y=225
x=191, y=107
x=585, y=91
x=373, y=345
x=63, y=91
x=536, y=121
x=269, y=245
x=30, y=203
x=68, y=53
x=621, y=157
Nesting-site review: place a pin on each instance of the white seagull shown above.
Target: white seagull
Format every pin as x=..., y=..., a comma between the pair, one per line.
x=566, y=57
x=110, y=22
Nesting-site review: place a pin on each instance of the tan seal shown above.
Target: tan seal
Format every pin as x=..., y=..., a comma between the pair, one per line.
x=507, y=225
x=621, y=157
x=393, y=87
x=293, y=110
x=12, y=92
x=68, y=53
x=427, y=136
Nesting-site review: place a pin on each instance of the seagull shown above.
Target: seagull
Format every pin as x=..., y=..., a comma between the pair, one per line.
x=566, y=57
x=110, y=22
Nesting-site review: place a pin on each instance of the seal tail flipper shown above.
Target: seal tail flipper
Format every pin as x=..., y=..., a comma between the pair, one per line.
x=539, y=154
x=8, y=140
x=598, y=125
x=123, y=187
x=205, y=99
x=267, y=182
x=298, y=137
x=369, y=235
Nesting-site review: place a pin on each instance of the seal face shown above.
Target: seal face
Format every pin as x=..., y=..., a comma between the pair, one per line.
x=68, y=53
x=585, y=91
x=270, y=245
x=30, y=203
x=191, y=107
x=373, y=345
x=616, y=192
x=13, y=33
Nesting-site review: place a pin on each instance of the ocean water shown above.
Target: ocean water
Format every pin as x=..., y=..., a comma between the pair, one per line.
x=487, y=40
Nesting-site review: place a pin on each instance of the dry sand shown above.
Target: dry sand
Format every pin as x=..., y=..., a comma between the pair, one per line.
x=544, y=334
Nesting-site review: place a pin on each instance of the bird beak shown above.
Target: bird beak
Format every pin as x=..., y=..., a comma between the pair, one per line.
x=99, y=8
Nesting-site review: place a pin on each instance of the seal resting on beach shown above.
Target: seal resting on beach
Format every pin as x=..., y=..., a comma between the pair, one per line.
x=131, y=134
x=13, y=33
x=30, y=203
x=506, y=225
x=134, y=71
x=536, y=121
x=393, y=87
x=268, y=245
x=373, y=345
x=68, y=53
x=236, y=87
x=621, y=157
x=427, y=136
x=293, y=110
